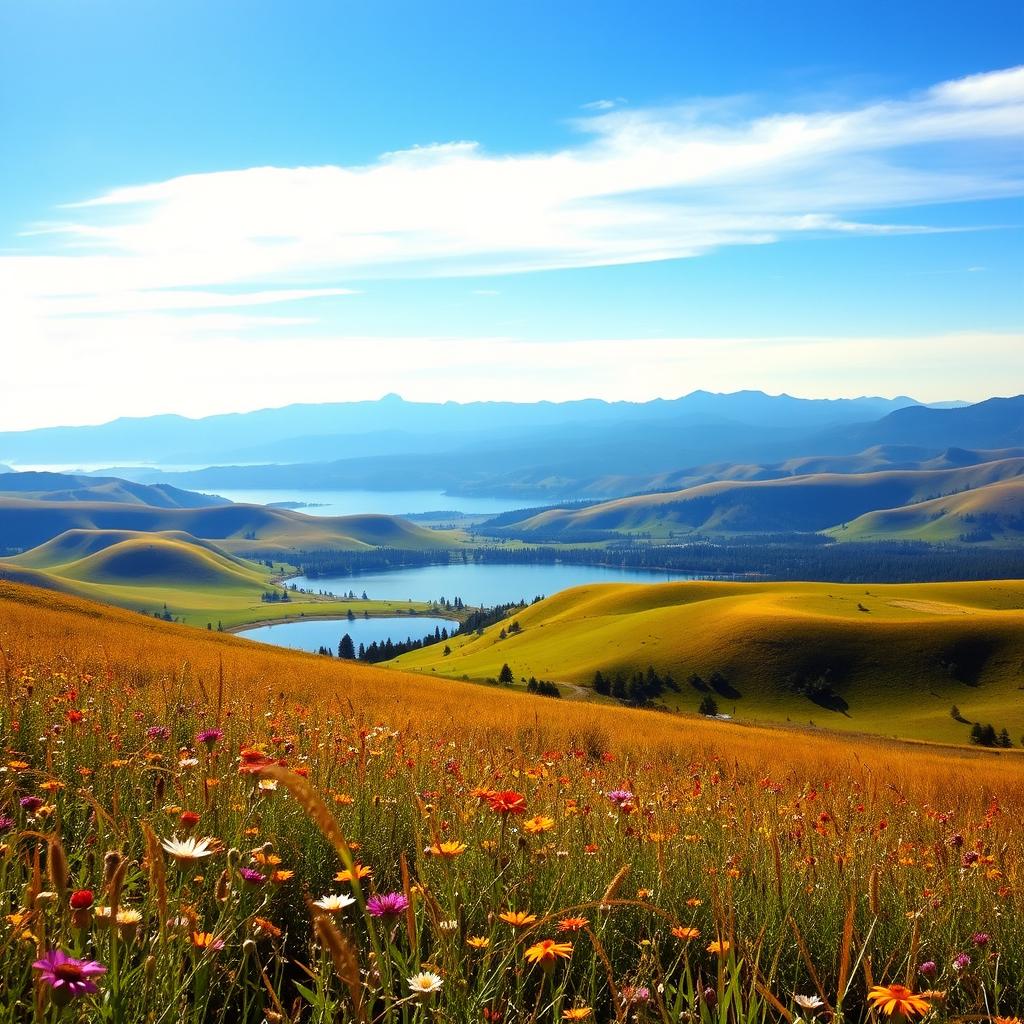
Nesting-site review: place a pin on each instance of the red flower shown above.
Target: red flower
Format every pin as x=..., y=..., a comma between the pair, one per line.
x=507, y=801
x=82, y=899
x=189, y=818
x=75, y=716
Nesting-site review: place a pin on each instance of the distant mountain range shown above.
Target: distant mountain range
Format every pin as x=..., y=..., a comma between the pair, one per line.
x=33, y=486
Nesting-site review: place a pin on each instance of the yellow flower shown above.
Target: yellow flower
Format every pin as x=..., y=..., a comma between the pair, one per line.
x=539, y=824
x=448, y=849
x=577, y=1013
x=719, y=948
x=359, y=871
x=897, y=999
x=478, y=942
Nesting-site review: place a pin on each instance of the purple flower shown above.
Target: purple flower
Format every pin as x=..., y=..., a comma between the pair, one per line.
x=67, y=976
x=5, y=822
x=961, y=962
x=929, y=969
x=31, y=803
x=251, y=876
x=209, y=736
x=620, y=796
x=635, y=994
x=981, y=938
x=390, y=904
x=158, y=732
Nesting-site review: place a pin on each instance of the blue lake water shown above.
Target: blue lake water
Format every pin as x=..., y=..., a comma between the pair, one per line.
x=390, y=503
x=312, y=634
x=479, y=584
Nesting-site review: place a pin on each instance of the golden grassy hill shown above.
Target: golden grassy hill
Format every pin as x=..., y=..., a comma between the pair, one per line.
x=887, y=659
x=991, y=513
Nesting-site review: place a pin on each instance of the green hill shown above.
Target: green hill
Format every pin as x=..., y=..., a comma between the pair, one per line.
x=249, y=529
x=992, y=513
x=802, y=503
x=35, y=486
x=887, y=659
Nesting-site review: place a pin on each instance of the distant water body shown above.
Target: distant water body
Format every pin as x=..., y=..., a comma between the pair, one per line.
x=480, y=583
x=312, y=634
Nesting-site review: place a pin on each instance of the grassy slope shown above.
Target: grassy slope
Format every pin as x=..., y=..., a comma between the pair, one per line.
x=37, y=625
x=890, y=663
x=942, y=519
x=243, y=528
x=195, y=579
x=812, y=502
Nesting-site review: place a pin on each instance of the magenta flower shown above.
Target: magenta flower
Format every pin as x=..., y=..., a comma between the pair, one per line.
x=5, y=822
x=620, y=797
x=251, y=876
x=209, y=736
x=31, y=803
x=929, y=969
x=981, y=939
x=961, y=962
x=67, y=976
x=390, y=904
x=158, y=732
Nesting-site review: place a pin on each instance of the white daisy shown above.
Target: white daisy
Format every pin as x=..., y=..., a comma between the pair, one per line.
x=186, y=851
x=424, y=983
x=334, y=903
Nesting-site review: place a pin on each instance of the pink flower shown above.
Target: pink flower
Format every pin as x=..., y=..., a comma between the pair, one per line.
x=67, y=976
x=390, y=904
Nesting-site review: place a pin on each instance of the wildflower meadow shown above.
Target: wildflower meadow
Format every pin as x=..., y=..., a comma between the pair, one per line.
x=191, y=832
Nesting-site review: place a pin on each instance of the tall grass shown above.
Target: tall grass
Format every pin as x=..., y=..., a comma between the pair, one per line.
x=680, y=870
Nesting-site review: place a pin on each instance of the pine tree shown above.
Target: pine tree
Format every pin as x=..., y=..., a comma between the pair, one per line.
x=346, y=649
x=505, y=675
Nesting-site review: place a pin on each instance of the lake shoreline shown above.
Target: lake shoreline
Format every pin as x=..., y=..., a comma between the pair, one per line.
x=259, y=623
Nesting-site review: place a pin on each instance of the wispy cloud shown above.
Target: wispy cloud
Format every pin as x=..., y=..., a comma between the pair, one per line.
x=639, y=185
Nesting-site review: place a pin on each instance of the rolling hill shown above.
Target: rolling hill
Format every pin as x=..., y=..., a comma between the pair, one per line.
x=993, y=513
x=248, y=529
x=809, y=503
x=66, y=487
x=888, y=659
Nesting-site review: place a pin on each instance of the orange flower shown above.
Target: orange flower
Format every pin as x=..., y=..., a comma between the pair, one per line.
x=359, y=871
x=720, y=948
x=281, y=876
x=518, y=918
x=547, y=952
x=507, y=801
x=261, y=926
x=572, y=924
x=478, y=942
x=206, y=940
x=897, y=999
x=577, y=1013
x=686, y=934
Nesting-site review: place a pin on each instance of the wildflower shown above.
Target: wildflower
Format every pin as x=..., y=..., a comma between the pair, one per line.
x=262, y=928
x=82, y=899
x=981, y=939
x=929, y=969
x=187, y=851
x=359, y=871
x=961, y=962
x=387, y=905
x=572, y=924
x=686, y=934
x=188, y=819
x=448, y=849
x=518, y=918
x=207, y=940
x=209, y=736
x=281, y=876
x=507, y=801
x=251, y=876
x=547, y=953
x=577, y=1013
x=808, y=1002
x=31, y=803
x=635, y=994
x=68, y=977
x=1007, y=1020
x=694, y=902
x=425, y=983
x=719, y=948
x=539, y=824
x=478, y=942
x=158, y=732
x=619, y=797
x=897, y=999
x=6, y=823
x=334, y=903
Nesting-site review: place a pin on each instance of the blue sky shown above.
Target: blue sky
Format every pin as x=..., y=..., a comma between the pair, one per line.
x=615, y=199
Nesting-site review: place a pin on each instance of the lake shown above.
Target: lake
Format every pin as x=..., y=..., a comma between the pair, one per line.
x=312, y=634
x=479, y=583
x=391, y=503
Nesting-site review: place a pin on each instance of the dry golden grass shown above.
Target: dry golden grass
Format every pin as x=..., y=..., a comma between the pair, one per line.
x=166, y=659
